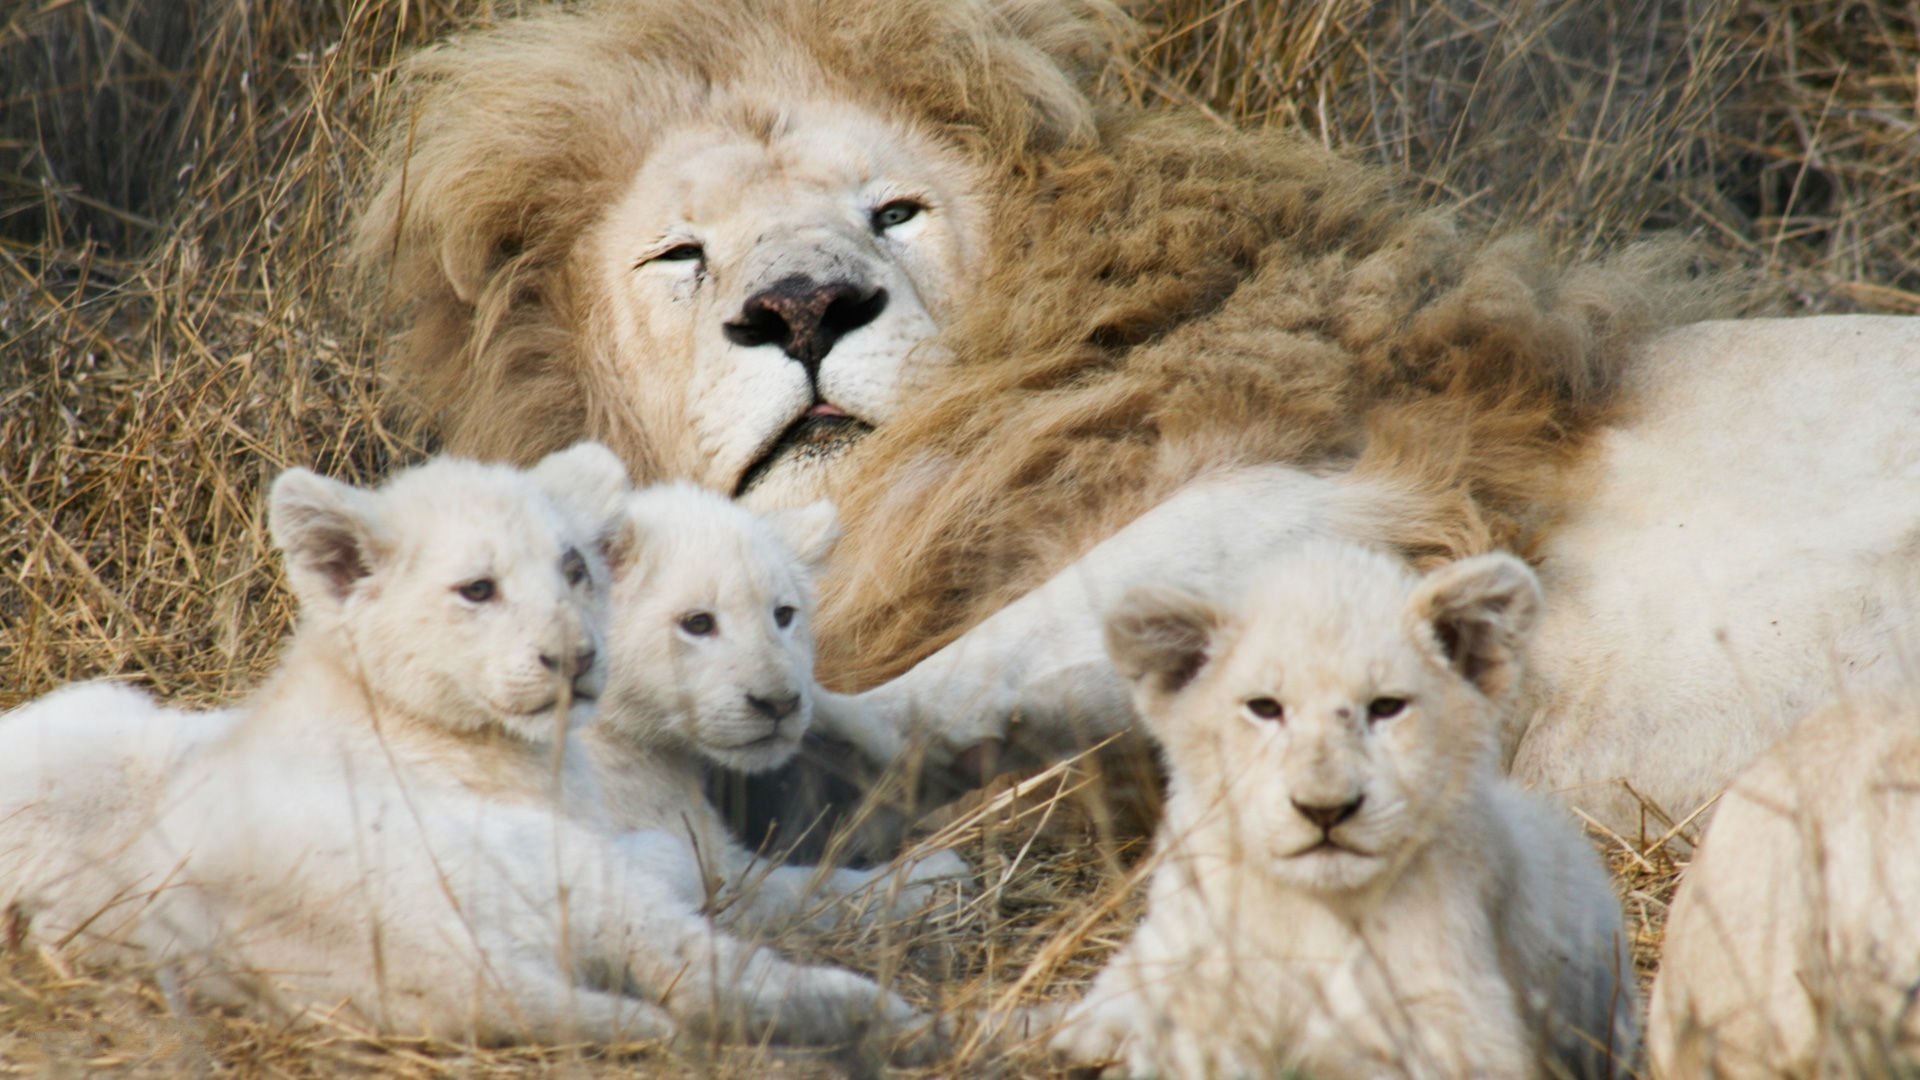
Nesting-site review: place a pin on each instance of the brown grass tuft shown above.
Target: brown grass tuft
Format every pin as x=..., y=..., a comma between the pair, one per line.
x=174, y=179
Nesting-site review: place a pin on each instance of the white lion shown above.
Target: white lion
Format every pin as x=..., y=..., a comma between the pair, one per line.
x=712, y=662
x=1345, y=885
x=378, y=835
x=1794, y=945
x=1041, y=345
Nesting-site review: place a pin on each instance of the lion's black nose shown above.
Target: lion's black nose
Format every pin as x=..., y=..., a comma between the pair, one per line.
x=805, y=317
x=1327, y=817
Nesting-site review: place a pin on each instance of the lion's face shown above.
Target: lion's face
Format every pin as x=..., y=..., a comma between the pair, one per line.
x=774, y=279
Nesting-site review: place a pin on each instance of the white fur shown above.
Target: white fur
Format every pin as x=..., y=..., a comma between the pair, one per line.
x=1746, y=545
x=374, y=835
x=678, y=700
x=1794, y=944
x=1439, y=921
x=1746, y=548
x=81, y=774
x=799, y=201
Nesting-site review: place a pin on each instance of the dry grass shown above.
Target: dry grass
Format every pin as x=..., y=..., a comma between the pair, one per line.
x=174, y=175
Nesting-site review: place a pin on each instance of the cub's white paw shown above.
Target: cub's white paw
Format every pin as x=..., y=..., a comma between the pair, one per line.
x=1097, y=1037
x=941, y=865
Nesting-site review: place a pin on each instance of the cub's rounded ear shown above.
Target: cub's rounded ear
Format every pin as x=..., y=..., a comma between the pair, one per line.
x=623, y=540
x=1479, y=612
x=587, y=481
x=329, y=532
x=809, y=531
x=1159, y=637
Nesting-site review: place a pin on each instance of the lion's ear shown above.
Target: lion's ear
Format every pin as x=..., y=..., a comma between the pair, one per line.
x=809, y=531
x=588, y=482
x=330, y=533
x=465, y=274
x=1479, y=612
x=471, y=261
x=1160, y=638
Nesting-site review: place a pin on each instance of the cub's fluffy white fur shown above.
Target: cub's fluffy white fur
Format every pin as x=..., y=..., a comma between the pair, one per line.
x=1794, y=943
x=713, y=663
x=374, y=834
x=1346, y=886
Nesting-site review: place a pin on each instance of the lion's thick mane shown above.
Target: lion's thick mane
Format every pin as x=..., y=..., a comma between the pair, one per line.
x=509, y=144
x=1162, y=297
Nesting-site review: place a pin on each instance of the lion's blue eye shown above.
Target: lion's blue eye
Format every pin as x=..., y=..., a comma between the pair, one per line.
x=478, y=591
x=698, y=623
x=1266, y=708
x=897, y=212
x=680, y=253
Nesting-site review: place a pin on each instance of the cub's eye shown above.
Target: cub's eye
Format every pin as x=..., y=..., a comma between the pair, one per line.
x=897, y=212
x=477, y=591
x=699, y=624
x=1266, y=708
x=574, y=567
x=1386, y=708
x=678, y=253
x=783, y=616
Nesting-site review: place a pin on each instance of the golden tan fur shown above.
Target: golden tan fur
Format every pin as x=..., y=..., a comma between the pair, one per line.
x=1160, y=297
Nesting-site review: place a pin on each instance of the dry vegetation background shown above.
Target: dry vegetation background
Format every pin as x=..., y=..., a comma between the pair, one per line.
x=174, y=175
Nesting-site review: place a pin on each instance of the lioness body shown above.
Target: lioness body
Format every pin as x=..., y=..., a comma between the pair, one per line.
x=1794, y=942
x=1344, y=885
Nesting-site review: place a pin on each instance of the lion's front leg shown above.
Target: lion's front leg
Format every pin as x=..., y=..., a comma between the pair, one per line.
x=630, y=916
x=1035, y=674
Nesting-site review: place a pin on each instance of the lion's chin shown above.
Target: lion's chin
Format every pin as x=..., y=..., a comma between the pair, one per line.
x=795, y=469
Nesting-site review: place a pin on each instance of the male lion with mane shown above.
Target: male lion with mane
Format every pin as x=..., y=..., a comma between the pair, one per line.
x=1042, y=345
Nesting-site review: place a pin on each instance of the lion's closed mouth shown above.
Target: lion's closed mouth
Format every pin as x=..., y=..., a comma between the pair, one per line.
x=822, y=431
x=755, y=744
x=1327, y=845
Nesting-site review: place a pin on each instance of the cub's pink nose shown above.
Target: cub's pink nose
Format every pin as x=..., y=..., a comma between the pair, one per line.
x=774, y=709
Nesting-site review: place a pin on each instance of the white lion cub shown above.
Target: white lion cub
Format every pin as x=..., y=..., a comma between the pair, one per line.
x=713, y=663
x=375, y=835
x=1345, y=885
